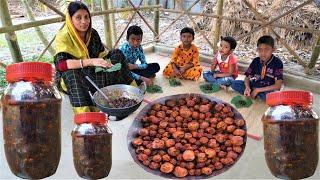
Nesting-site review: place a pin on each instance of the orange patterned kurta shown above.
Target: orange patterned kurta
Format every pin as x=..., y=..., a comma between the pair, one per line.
x=181, y=57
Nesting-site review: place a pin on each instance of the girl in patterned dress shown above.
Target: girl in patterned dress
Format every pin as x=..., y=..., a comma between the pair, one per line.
x=184, y=62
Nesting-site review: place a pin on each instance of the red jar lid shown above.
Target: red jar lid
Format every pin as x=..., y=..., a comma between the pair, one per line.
x=289, y=98
x=28, y=71
x=90, y=117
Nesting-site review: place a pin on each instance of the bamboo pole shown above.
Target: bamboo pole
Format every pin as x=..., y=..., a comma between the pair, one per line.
x=18, y=27
x=3, y=65
x=283, y=42
x=27, y=25
x=103, y=12
x=217, y=31
x=106, y=19
x=156, y=20
x=11, y=36
x=37, y=29
x=145, y=21
x=52, y=8
x=125, y=29
x=275, y=19
x=284, y=26
x=113, y=23
x=177, y=18
x=315, y=54
x=201, y=32
x=50, y=43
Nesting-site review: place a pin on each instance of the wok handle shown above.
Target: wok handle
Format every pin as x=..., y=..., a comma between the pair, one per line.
x=143, y=87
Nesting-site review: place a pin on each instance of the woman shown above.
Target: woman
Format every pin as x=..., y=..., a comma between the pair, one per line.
x=79, y=51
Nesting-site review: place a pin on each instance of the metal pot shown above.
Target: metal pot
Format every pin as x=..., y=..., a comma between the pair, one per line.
x=117, y=91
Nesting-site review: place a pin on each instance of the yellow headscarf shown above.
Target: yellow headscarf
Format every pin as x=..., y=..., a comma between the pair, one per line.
x=67, y=40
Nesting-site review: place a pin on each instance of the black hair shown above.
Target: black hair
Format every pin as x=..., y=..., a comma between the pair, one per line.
x=268, y=40
x=187, y=30
x=136, y=30
x=230, y=40
x=75, y=6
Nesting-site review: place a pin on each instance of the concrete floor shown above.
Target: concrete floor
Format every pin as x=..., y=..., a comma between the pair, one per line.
x=251, y=165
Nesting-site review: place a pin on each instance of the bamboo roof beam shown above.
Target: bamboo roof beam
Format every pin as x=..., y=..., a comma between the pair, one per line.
x=27, y=25
x=284, y=26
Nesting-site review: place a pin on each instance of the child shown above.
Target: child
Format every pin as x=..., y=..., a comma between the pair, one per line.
x=184, y=62
x=133, y=51
x=227, y=63
x=265, y=73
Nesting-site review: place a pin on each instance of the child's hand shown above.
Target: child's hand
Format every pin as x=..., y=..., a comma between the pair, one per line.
x=176, y=71
x=182, y=70
x=254, y=93
x=132, y=66
x=146, y=80
x=247, y=92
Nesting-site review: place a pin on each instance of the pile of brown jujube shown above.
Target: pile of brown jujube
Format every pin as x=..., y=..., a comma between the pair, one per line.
x=190, y=136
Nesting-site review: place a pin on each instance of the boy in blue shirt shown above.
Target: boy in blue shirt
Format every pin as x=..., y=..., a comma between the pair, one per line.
x=133, y=51
x=265, y=73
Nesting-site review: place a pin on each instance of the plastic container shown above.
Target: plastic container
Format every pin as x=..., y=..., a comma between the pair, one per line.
x=291, y=130
x=31, y=120
x=92, y=145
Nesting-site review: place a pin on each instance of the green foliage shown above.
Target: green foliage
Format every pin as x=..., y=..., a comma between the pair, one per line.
x=174, y=82
x=154, y=89
x=115, y=67
x=241, y=102
x=209, y=88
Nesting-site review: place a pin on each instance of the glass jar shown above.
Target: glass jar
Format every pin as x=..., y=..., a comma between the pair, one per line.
x=92, y=145
x=31, y=120
x=291, y=128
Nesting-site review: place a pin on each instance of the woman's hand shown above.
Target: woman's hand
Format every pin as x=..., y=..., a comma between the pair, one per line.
x=100, y=62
